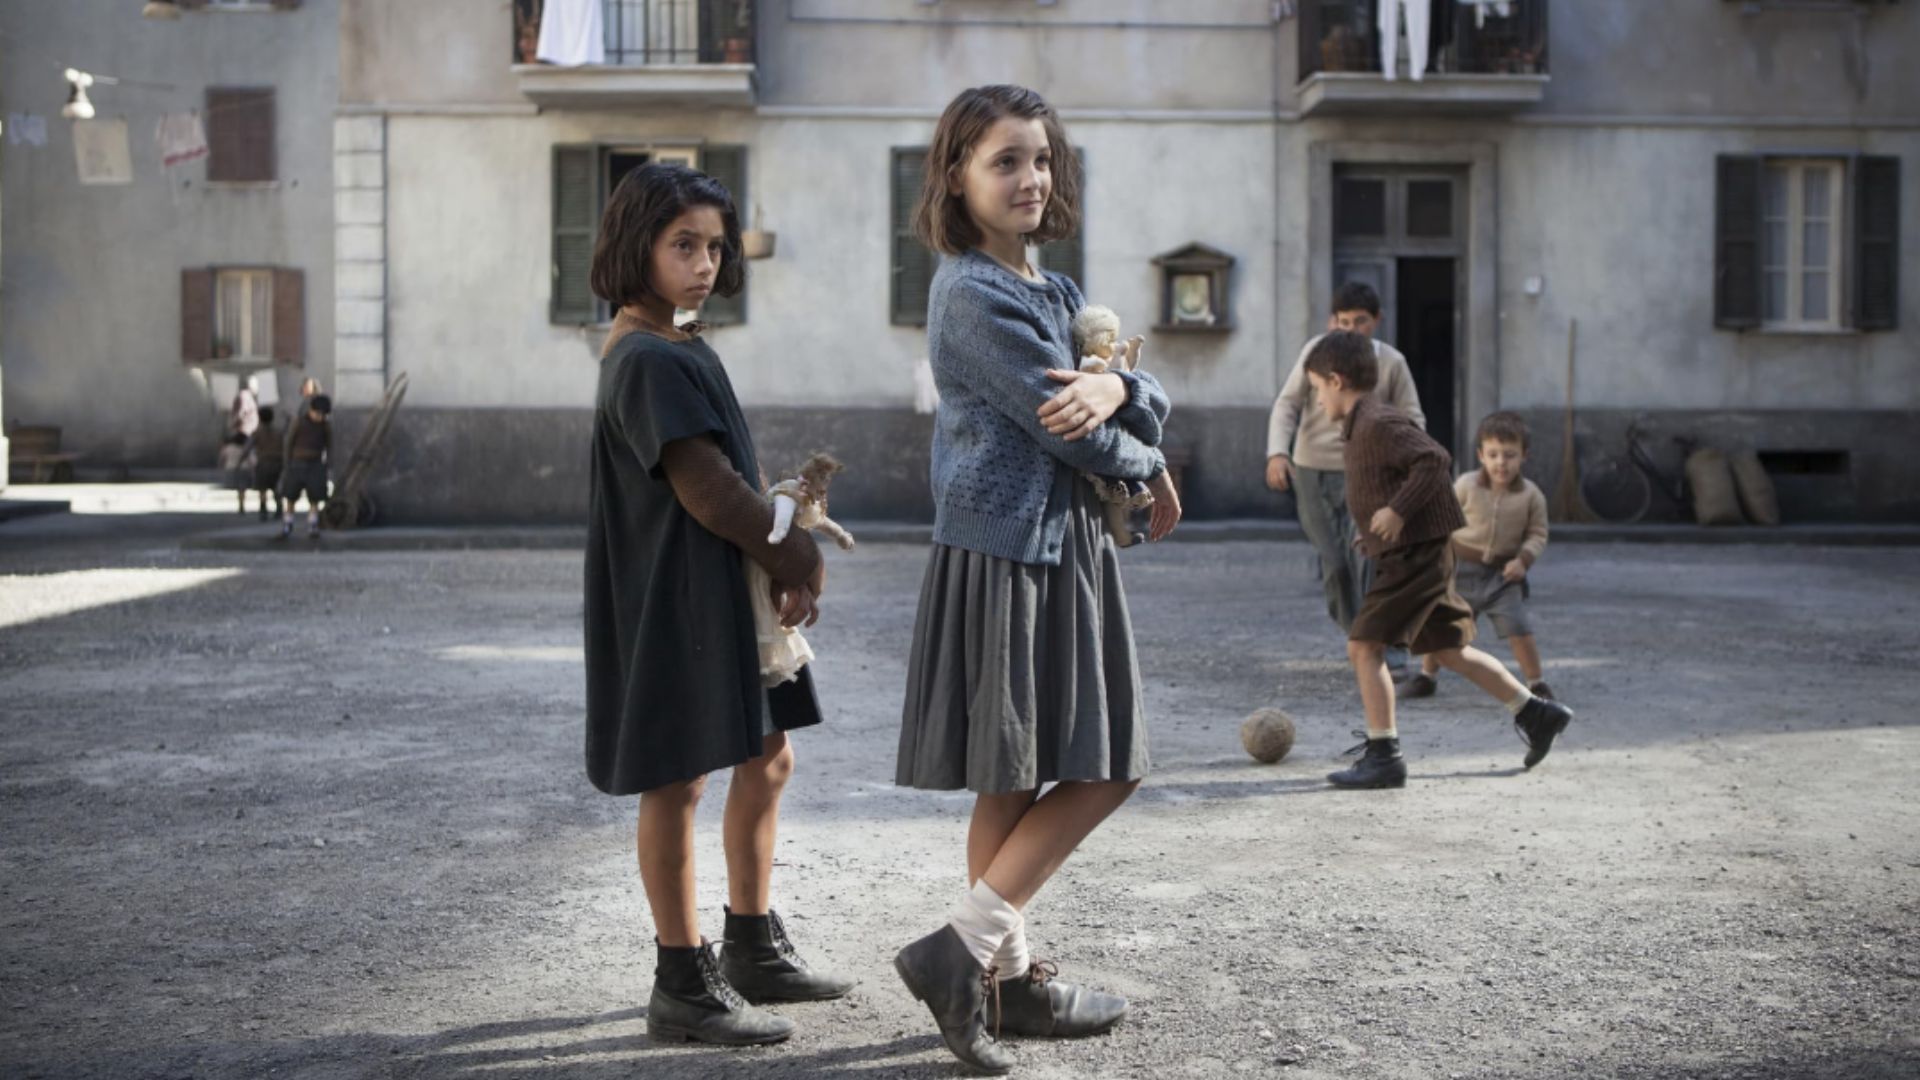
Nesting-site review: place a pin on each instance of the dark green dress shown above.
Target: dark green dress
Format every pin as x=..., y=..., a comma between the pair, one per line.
x=673, y=667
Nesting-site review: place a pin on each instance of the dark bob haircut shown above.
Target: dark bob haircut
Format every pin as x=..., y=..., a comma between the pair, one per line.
x=940, y=219
x=320, y=403
x=648, y=200
x=1348, y=355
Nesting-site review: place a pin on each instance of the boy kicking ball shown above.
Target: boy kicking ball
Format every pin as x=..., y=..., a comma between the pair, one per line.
x=1403, y=506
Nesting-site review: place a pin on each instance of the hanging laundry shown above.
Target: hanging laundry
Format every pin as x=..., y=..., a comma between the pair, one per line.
x=181, y=138
x=1417, y=13
x=100, y=149
x=572, y=34
x=1502, y=8
x=26, y=129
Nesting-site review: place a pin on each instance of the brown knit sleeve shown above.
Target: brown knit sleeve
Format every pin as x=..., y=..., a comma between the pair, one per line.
x=722, y=501
x=1427, y=465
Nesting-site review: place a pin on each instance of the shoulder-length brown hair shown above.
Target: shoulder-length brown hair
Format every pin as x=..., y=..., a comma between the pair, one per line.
x=940, y=219
x=647, y=200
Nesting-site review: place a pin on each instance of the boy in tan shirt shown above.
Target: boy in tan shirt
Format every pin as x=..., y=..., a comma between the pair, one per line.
x=1506, y=532
x=1304, y=455
x=1397, y=494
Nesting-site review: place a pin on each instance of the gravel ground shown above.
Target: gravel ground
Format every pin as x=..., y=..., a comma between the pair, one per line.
x=305, y=814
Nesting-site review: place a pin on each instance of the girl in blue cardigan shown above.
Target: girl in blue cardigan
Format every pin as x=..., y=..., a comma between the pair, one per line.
x=1022, y=671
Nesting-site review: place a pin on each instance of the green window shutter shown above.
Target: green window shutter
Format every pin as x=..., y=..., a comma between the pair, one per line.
x=913, y=263
x=1736, y=257
x=576, y=215
x=1069, y=256
x=728, y=164
x=1876, y=243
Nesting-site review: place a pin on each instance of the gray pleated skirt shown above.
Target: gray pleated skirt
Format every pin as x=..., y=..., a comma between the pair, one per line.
x=1022, y=675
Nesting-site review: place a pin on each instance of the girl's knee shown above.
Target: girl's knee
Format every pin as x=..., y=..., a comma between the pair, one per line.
x=774, y=766
x=681, y=794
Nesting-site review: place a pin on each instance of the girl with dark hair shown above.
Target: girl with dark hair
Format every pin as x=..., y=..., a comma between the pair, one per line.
x=673, y=663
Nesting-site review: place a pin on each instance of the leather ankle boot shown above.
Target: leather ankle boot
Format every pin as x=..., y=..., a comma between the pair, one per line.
x=761, y=963
x=940, y=971
x=1380, y=766
x=1539, y=723
x=691, y=1002
x=1036, y=1003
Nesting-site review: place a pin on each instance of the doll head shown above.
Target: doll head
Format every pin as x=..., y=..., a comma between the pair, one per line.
x=1096, y=330
x=818, y=472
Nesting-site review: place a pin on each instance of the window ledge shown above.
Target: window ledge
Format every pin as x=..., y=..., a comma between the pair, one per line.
x=1809, y=331
x=242, y=185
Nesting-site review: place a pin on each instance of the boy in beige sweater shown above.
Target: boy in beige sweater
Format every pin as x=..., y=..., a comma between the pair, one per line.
x=1505, y=533
x=1304, y=451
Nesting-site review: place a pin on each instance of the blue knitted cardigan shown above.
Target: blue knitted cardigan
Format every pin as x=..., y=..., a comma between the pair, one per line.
x=1002, y=484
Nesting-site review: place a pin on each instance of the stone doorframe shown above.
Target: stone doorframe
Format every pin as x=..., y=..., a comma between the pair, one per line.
x=1479, y=358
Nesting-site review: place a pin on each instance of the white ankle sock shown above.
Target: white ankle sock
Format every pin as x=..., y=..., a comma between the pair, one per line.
x=1514, y=706
x=1391, y=733
x=1012, y=959
x=983, y=920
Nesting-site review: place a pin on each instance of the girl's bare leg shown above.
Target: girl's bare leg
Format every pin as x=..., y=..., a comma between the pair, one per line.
x=664, y=840
x=751, y=822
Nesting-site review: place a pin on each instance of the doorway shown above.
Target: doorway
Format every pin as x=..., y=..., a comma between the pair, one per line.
x=1401, y=230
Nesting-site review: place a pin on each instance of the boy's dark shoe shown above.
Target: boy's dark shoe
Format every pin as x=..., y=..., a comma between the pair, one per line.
x=1418, y=685
x=1539, y=723
x=760, y=962
x=1380, y=766
x=940, y=971
x=1540, y=689
x=691, y=1002
x=286, y=530
x=1037, y=1003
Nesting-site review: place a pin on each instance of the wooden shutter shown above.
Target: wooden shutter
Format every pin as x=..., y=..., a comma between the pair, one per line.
x=289, y=317
x=1737, y=258
x=196, y=316
x=576, y=213
x=728, y=164
x=913, y=263
x=1876, y=243
x=240, y=139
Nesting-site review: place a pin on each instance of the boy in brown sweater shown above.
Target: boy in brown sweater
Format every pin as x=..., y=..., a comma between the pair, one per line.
x=1505, y=534
x=1405, y=512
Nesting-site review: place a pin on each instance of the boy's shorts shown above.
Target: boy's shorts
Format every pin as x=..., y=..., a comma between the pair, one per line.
x=1412, y=602
x=1503, y=602
x=309, y=477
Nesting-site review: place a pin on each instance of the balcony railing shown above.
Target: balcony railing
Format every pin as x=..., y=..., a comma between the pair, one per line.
x=681, y=52
x=642, y=33
x=1466, y=39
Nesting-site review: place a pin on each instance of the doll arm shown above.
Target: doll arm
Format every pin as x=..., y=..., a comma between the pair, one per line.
x=783, y=508
x=725, y=504
x=832, y=528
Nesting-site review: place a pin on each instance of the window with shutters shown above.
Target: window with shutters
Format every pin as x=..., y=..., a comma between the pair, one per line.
x=240, y=138
x=913, y=262
x=583, y=177
x=243, y=316
x=1806, y=244
x=1800, y=247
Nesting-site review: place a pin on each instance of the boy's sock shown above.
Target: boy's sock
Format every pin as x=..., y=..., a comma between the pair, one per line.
x=1514, y=705
x=1012, y=958
x=1391, y=733
x=983, y=920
